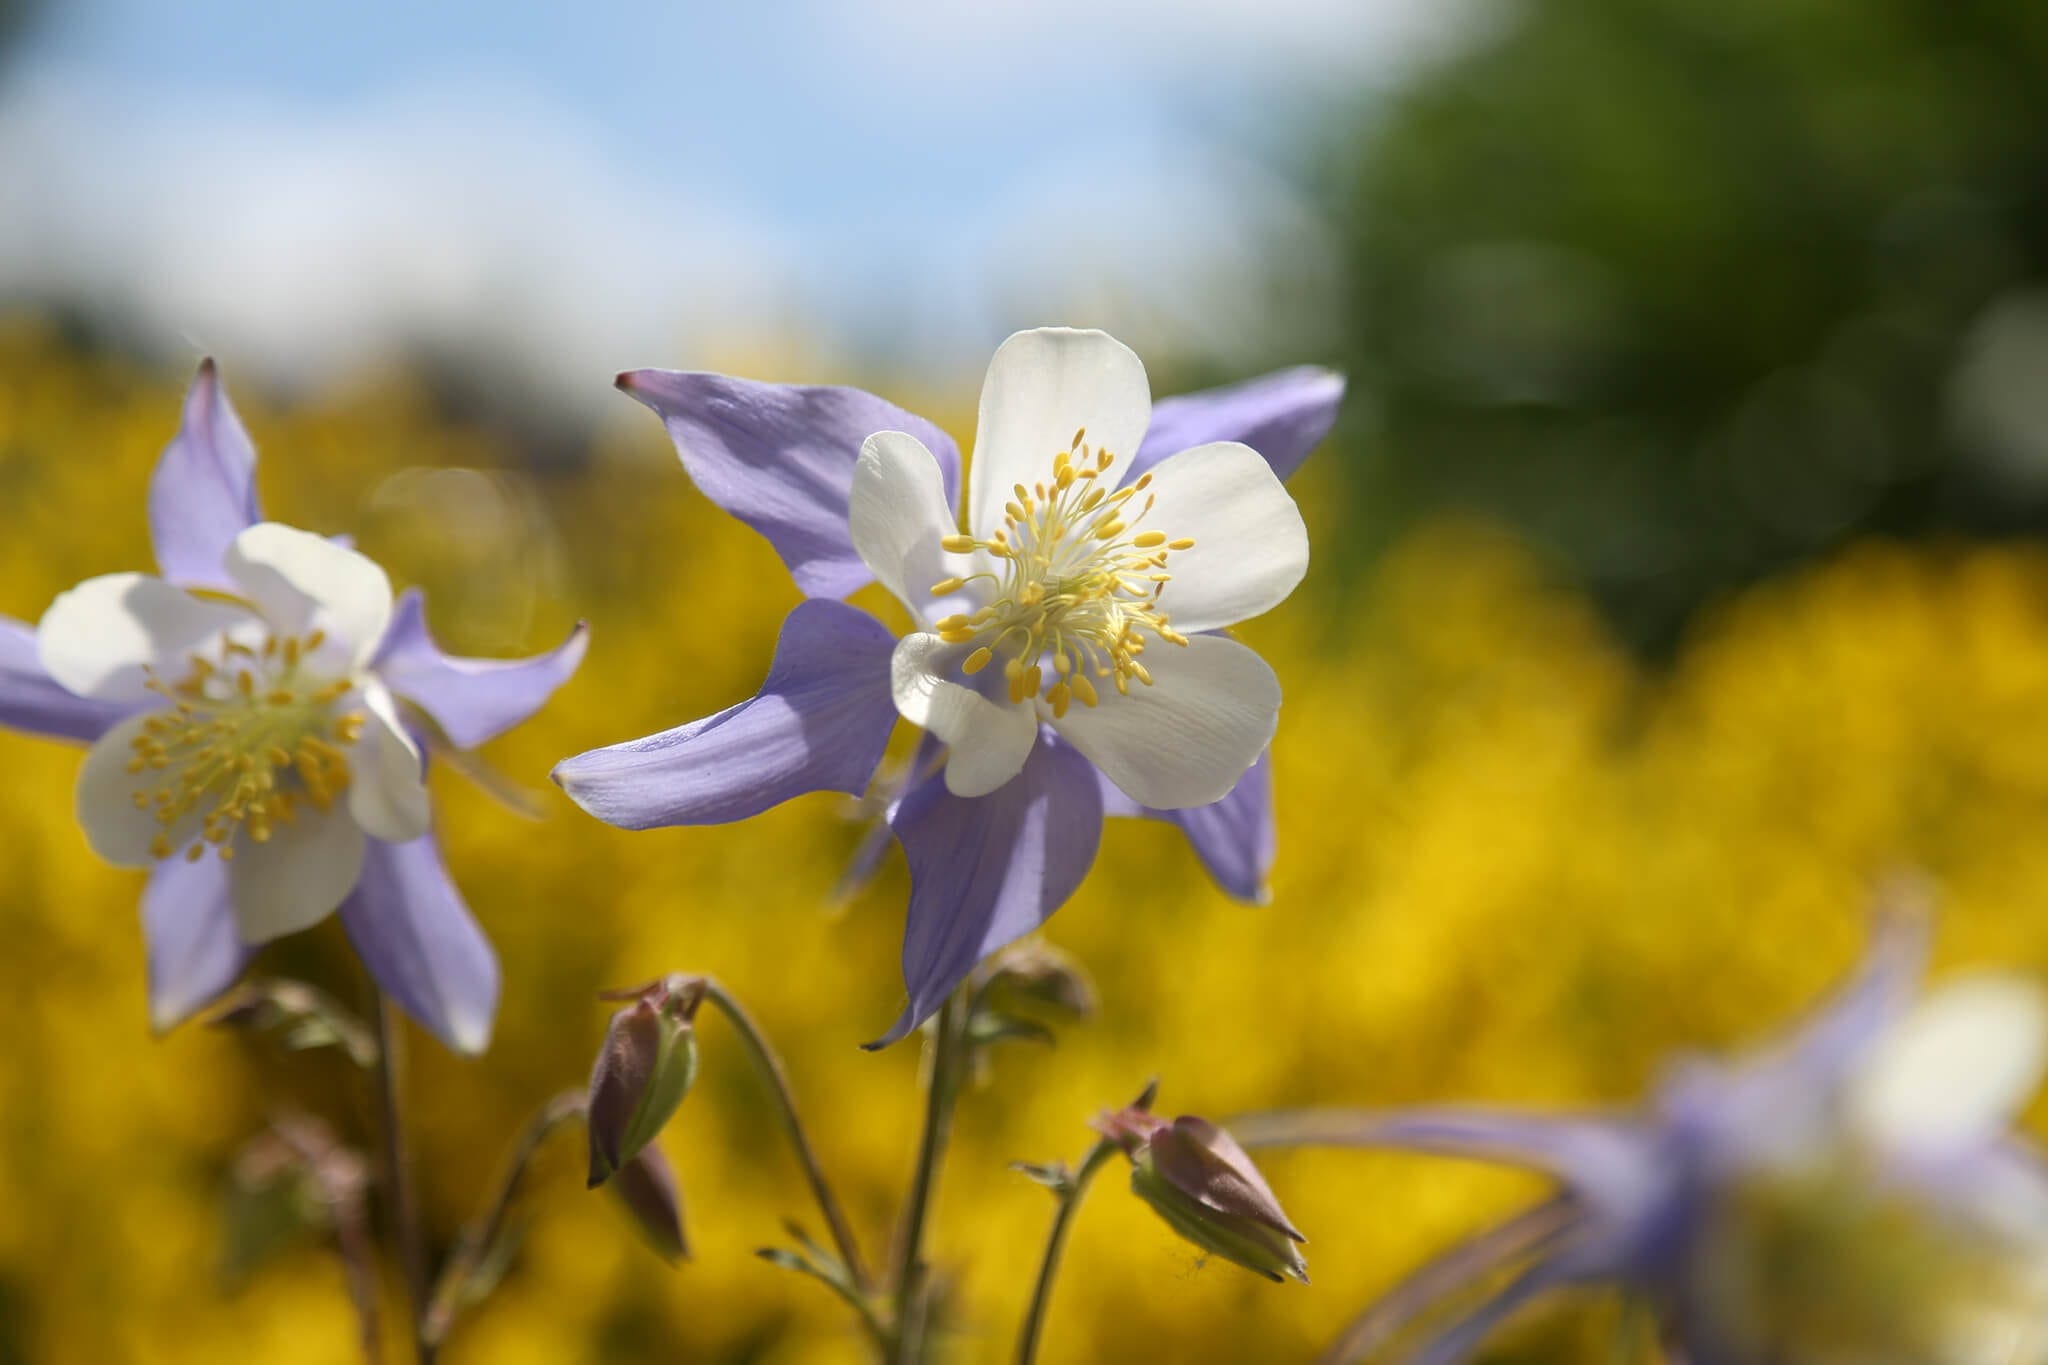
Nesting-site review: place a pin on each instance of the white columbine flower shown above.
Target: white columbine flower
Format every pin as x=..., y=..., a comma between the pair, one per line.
x=264, y=735
x=1072, y=601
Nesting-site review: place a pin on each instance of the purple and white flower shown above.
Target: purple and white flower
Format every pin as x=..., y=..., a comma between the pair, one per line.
x=258, y=719
x=1853, y=1193
x=1065, y=661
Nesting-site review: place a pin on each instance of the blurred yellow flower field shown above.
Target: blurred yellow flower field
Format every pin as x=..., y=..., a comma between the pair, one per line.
x=1514, y=865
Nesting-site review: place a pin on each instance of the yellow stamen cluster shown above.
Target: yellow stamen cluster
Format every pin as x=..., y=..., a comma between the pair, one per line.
x=1079, y=587
x=246, y=742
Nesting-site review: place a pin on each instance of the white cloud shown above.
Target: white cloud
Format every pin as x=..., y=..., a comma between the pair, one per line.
x=1066, y=46
x=474, y=219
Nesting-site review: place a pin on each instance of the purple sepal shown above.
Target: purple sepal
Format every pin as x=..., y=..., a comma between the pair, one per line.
x=1282, y=415
x=422, y=946
x=33, y=703
x=472, y=700
x=819, y=723
x=203, y=493
x=986, y=870
x=780, y=457
x=188, y=926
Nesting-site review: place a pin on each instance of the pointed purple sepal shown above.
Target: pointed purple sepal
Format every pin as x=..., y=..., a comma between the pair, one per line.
x=819, y=723
x=1283, y=416
x=33, y=703
x=780, y=457
x=472, y=700
x=188, y=926
x=987, y=870
x=422, y=946
x=203, y=493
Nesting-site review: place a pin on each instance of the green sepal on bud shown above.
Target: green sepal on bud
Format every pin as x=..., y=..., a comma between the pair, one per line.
x=643, y=1070
x=1196, y=1177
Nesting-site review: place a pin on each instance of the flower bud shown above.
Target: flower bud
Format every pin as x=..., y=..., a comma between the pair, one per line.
x=642, y=1072
x=1196, y=1177
x=647, y=1189
x=1036, y=972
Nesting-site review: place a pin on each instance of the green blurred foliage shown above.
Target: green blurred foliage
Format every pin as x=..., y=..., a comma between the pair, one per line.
x=1688, y=290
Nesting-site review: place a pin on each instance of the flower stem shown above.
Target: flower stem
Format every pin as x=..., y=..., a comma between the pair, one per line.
x=770, y=1067
x=481, y=1236
x=942, y=1088
x=401, y=1199
x=1056, y=1242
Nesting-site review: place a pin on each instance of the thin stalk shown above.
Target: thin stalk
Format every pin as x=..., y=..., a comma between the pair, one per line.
x=1056, y=1242
x=482, y=1234
x=942, y=1087
x=401, y=1199
x=770, y=1067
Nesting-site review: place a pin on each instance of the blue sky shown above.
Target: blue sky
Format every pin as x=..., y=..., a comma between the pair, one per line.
x=311, y=182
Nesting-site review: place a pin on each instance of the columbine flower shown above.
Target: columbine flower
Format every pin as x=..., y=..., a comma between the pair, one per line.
x=1062, y=661
x=258, y=718
x=1854, y=1194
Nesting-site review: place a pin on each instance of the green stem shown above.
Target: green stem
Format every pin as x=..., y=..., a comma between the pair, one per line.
x=1055, y=1243
x=941, y=1090
x=770, y=1067
x=401, y=1199
x=480, y=1236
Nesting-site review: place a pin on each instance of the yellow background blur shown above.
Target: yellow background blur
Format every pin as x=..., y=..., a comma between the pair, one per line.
x=1514, y=866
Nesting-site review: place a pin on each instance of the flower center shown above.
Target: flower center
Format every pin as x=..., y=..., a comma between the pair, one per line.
x=248, y=740
x=1078, y=589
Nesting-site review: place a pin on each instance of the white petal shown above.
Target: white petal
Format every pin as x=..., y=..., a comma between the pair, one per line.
x=1957, y=1069
x=987, y=741
x=1250, y=545
x=1186, y=739
x=898, y=514
x=387, y=794
x=297, y=877
x=1040, y=388
x=118, y=831
x=95, y=639
x=305, y=582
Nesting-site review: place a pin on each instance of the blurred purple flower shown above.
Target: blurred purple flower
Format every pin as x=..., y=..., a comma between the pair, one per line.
x=1000, y=822
x=1854, y=1192
x=267, y=702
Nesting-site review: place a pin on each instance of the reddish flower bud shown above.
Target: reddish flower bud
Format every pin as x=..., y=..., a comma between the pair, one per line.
x=1196, y=1177
x=644, y=1069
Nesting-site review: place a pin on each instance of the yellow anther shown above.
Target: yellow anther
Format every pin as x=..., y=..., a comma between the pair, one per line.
x=947, y=586
x=195, y=853
x=160, y=847
x=281, y=697
x=1182, y=544
x=245, y=683
x=291, y=652
x=1070, y=592
x=227, y=853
